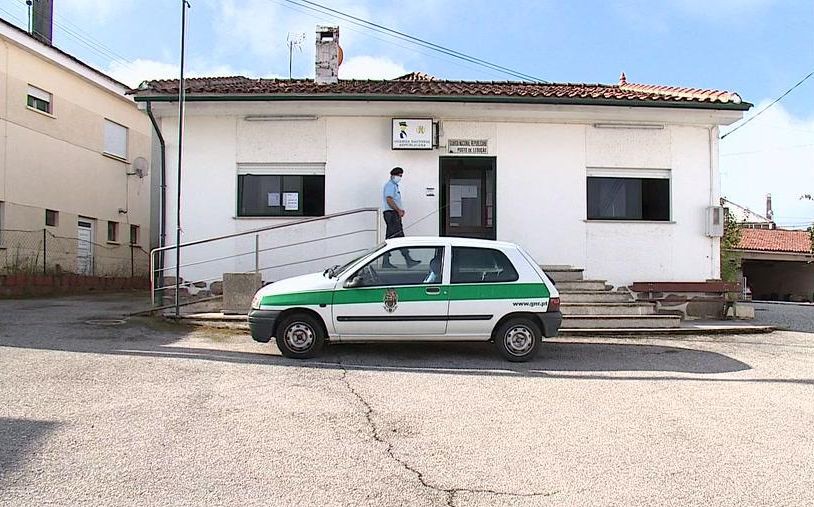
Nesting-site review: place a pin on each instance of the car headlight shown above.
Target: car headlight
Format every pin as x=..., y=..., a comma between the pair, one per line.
x=256, y=301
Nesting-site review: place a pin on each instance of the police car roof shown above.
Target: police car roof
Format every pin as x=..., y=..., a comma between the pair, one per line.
x=434, y=241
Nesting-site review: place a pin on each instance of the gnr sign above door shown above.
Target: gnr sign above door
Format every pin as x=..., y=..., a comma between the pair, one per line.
x=412, y=134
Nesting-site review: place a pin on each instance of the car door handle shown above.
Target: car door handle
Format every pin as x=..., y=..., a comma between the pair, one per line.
x=433, y=290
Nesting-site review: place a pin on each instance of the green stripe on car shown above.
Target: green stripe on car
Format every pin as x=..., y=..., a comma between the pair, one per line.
x=456, y=292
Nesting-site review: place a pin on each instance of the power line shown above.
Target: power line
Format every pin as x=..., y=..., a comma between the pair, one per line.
x=414, y=40
x=366, y=33
x=775, y=101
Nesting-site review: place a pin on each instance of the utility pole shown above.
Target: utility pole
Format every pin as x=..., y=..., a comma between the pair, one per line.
x=181, y=96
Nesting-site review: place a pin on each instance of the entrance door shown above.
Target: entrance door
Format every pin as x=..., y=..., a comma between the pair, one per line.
x=84, y=247
x=468, y=197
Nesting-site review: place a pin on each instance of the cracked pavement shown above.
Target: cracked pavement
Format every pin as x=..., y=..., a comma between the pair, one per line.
x=156, y=414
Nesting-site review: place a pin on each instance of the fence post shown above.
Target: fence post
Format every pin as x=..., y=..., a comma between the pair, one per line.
x=256, y=253
x=132, y=267
x=44, y=252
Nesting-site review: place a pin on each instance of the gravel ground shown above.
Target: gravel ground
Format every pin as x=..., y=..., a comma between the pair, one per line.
x=794, y=317
x=154, y=414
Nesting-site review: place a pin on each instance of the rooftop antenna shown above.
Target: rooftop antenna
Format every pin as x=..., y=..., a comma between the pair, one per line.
x=293, y=40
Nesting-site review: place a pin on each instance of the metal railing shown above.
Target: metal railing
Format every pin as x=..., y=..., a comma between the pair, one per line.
x=157, y=277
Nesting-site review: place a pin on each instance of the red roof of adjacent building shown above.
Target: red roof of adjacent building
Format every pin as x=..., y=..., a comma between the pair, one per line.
x=775, y=240
x=418, y=84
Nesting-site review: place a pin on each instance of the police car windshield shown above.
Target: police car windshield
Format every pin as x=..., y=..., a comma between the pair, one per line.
x=336, y=271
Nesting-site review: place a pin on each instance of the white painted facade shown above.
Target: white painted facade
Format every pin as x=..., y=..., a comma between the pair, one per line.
x=544, y=154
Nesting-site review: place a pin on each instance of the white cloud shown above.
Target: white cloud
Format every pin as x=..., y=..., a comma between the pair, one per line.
x=100, y=10
x=133, y=73
x=774, y=154
x=370, y=67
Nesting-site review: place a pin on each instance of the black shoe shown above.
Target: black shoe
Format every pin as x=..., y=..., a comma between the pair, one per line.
x=412, y=262
x=387, y=265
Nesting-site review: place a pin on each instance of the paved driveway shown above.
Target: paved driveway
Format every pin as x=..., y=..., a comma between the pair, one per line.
x=794, y=317
x=143, y=413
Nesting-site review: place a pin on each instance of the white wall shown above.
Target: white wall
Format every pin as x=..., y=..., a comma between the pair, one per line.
x=541, y=190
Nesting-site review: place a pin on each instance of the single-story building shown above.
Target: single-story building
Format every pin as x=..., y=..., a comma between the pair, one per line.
x=619, y=179
x=778, y=264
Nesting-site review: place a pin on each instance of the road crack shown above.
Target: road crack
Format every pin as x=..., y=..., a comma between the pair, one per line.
x=450, y=493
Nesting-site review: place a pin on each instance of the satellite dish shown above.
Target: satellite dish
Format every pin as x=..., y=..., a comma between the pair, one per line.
x=140, y=166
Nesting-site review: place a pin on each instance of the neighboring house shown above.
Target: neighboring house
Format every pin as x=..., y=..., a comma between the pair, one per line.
x=74, y=191
x=621, y=180
x=778, y=264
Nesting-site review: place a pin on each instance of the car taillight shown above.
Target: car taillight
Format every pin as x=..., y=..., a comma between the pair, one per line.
x=554, y=305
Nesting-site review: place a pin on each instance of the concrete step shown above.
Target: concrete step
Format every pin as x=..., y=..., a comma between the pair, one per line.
x=563, y=273
x=620, y=321
x=624, y=309
x=594, y=296
x=583, y=285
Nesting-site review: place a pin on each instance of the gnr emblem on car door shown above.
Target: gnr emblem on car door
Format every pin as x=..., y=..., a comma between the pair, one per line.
x=391, y=300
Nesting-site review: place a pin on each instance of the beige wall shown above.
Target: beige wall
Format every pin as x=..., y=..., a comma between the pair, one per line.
x=56, y=161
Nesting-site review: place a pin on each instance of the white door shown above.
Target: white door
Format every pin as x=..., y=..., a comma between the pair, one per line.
x=84, y=247
x=393, y=296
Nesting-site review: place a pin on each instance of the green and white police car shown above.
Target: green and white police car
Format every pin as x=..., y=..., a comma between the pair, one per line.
x=414, y=289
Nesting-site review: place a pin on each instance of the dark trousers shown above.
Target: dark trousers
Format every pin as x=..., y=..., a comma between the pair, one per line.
x=394, y=230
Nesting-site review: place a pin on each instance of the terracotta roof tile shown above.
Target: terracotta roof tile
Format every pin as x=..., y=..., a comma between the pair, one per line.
x=775, y=240
x=420, y=84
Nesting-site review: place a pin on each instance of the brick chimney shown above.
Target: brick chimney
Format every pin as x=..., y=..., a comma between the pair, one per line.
x=327, y=55
x=42, y=20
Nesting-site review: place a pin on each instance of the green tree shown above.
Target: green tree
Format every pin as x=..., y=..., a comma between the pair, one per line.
x=730, y=259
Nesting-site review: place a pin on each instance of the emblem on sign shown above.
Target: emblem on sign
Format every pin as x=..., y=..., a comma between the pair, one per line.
x=391, y=300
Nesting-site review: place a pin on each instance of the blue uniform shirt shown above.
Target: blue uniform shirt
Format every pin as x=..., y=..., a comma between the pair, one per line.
x=391, y=189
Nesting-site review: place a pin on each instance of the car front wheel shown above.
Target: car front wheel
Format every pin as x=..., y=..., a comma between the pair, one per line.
x=300, y=336
x=518, y=339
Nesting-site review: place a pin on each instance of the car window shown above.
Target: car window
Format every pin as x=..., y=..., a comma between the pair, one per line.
x=338, y=271
x=481, y=265
x=401, y=266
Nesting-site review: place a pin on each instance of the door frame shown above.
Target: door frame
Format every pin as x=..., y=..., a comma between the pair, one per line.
x=92, y=253
x=442, y=193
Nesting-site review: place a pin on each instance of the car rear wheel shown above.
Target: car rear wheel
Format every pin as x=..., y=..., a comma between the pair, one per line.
x=300, y=336
x=518, y=339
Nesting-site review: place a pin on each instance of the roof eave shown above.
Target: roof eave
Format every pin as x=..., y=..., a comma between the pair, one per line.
x=144, y=97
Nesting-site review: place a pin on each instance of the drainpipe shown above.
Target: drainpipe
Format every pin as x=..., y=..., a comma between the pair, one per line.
x=713, y=153
x=162, y=213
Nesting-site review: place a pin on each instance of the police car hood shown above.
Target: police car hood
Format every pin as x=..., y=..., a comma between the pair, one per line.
x=304, y=283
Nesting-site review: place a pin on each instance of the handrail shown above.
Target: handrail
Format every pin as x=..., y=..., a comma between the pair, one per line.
x=262, y=250
x=155, y=287
x=263, y=229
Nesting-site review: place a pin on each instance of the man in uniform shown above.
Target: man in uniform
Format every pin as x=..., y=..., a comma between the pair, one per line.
x=391, y=203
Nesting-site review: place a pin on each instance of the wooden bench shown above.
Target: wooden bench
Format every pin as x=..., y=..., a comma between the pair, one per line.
x=713, y=294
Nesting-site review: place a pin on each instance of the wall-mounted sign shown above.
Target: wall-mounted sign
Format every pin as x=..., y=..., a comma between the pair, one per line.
x=412, y=134
x=468, y=146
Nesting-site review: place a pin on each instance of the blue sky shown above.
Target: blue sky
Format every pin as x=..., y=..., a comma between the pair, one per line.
x=758, y=48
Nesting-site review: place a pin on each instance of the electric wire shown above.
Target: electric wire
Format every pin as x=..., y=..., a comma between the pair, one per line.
x=411, y=39
x=775, y=101
x=365, y=33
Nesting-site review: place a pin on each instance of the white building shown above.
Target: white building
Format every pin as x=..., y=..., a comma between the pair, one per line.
x=617, y=179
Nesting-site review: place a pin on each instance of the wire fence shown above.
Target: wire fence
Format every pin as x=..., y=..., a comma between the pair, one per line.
x=41, y=252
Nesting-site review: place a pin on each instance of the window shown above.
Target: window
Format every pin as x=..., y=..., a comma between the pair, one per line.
x=134, y=233
x=617, y=198
x=115, y=139
x=113, y=232
x=39, y=99
x=280, y=195
x=479, y=265
x=51, y=218
x=398, y=267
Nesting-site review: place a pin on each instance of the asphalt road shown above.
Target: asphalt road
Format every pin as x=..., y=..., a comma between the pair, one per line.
x=138, y=413
x=794, y=317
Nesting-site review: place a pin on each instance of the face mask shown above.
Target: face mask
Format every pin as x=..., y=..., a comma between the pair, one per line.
x=396, y=179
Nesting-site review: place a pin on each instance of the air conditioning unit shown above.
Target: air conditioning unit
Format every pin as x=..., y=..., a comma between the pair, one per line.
x=715, y=221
